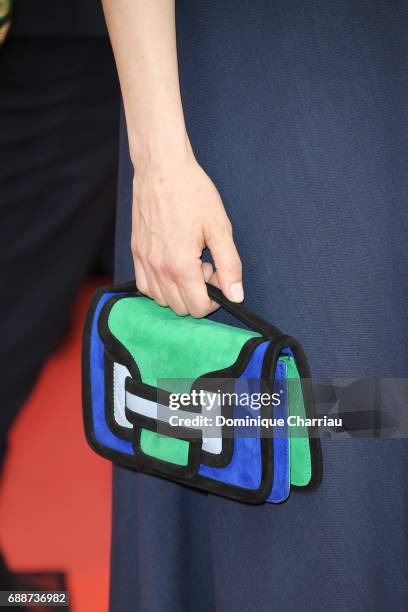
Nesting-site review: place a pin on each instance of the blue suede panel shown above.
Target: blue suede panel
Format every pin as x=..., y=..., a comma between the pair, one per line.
x=97, y=381
x=245, y=467
x=281, y=451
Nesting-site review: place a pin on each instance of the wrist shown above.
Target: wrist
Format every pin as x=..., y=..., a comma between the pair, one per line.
x=159, y=149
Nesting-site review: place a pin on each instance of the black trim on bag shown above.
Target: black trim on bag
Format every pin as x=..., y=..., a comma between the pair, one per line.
x=162, y=468
x=314, y=441
x=279, y=342
x=154, y=394
x=162, y=428
x=158, y=467
x=245, y=315
x=113, y=346
x=226, y=375
x=141, y=422
x=87, y=411
x=118, y=430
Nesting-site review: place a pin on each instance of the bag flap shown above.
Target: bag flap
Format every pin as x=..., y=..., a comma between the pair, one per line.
x=169, y=350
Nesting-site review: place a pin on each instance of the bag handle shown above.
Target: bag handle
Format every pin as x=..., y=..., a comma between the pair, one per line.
x=244, y=314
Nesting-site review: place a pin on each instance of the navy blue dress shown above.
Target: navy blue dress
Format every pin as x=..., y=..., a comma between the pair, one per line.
x=298, y=110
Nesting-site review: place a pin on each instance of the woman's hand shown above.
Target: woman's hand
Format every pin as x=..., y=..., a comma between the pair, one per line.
x=177, y=212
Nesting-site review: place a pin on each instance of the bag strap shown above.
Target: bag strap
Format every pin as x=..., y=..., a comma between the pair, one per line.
x=244, y=314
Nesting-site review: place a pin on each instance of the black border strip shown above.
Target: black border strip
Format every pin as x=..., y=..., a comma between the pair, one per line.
x=118, y=430
x=87, y=411
x=113, y=346
x=310, y=411
x=269, y=368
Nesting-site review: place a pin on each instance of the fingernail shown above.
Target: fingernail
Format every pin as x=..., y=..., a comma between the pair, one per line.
x=237, y=292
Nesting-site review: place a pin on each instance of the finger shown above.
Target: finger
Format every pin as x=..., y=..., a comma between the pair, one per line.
x=228, y=265
x=154, y=285
x=145, y=280
x=145, y=271
x=214, y=280
x=208, y=270
x=163, y=290
x=140, y=276
x=172, y=296
x=155, y=290
x=210, y=276
x=193, y=290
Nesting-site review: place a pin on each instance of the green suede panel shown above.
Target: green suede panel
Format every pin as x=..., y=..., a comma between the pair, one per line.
x=300, y=460
x=164, y=448
x=166, y=346
x=170, y=351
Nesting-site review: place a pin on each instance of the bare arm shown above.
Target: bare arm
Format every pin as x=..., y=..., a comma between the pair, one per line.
x=177, y=211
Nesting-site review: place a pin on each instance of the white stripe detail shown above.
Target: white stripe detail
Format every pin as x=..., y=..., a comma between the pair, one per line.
x=211, y=434
x=120, y=373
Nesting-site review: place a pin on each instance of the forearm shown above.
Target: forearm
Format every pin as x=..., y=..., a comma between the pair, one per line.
x=143, y=36
x=177, y=210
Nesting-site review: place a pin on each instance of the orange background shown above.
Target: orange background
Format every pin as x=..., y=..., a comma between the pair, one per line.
x=55, y=494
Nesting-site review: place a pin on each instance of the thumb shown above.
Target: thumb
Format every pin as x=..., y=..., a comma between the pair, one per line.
x=228, y=265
